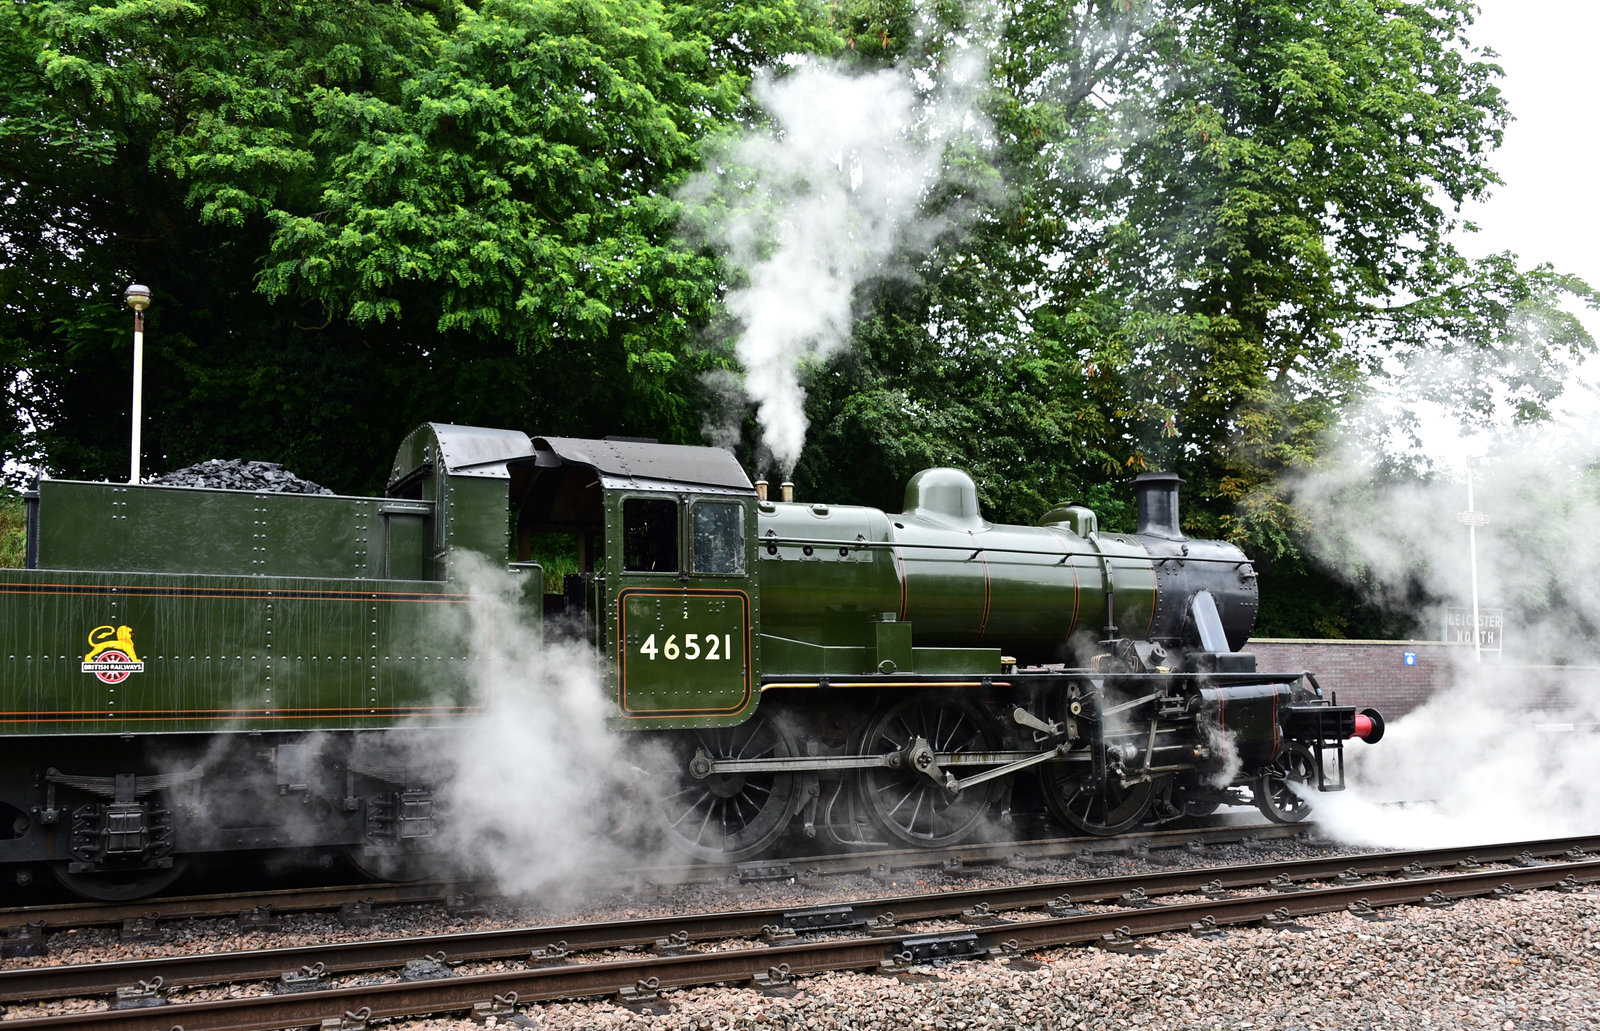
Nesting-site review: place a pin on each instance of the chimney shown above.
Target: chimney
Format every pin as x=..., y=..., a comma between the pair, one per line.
x=761, y=490
x=1157, y=502
x=786, y=490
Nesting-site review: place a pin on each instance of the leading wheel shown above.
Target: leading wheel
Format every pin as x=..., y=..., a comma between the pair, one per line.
x=729, y=817
x=1280, y=793
x=1103, y=806
x=119, y=885
x=905, y=803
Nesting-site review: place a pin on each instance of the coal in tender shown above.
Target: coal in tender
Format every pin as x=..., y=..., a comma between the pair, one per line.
x=237, y=474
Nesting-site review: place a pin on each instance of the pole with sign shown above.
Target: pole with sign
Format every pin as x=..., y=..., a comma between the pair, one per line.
x=1474, y=519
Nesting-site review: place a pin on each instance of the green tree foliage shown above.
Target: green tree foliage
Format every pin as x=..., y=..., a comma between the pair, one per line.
x=1184, y=234
x=357, y=216
x=1287, y=220
x=1223, y=222
x=13, y=530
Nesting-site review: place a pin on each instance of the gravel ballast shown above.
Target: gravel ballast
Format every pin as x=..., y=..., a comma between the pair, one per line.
x=1525, y=962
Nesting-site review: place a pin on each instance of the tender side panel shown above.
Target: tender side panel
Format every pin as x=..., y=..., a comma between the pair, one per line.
x=188, y=530
x=233, y=653
x=476, y=519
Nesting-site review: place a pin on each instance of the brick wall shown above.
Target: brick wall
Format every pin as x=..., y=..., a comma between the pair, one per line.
x=1377, y=674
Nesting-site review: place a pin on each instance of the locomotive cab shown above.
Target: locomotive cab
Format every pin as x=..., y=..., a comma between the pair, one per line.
x=659, y=552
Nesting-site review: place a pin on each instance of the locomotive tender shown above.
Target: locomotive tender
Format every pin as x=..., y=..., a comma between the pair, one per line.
x=191, y=671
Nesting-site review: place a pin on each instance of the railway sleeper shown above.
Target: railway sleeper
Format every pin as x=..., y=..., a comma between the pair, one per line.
x=823, y=918
x=502, y=1009
x=27, y=940
x=933, y=948
x=141, y=995
x=311, y=978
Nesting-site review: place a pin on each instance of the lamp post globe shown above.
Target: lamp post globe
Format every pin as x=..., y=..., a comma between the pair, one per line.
x=138, y=296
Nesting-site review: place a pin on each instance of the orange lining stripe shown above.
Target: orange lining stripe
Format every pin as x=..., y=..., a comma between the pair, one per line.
x=1067, y=556
x=121, y=718
x=255, y=595
x=1155, y=599
x=1077, y=600
x=258, y=709
x=170, y=592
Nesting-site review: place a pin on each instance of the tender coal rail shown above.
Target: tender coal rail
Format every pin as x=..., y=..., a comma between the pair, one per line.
x=556, y=976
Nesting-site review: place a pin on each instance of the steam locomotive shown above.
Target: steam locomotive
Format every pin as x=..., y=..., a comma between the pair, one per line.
x=193, y=671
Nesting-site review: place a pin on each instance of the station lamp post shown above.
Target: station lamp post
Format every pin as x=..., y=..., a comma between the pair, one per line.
x=138, y=298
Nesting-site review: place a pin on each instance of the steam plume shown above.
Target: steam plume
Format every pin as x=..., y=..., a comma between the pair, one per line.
x=536, y=793
x=828, y=197
x=1508, y=751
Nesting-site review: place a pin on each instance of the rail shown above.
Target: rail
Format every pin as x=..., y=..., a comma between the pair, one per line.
x=552, y=974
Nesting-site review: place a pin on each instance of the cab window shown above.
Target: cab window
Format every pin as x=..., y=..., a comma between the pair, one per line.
x=718, y=537
x=650, y=535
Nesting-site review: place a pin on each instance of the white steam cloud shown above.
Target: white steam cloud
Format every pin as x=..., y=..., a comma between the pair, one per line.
x=1476, y=764
x=535, y=792
x=1225, y=754
x=1511, y=749
x=829, y=196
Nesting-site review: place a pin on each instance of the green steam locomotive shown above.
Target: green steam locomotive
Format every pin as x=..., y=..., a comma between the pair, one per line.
x=192, y=671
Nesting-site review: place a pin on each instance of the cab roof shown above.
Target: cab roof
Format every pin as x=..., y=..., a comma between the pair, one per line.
x=624, y=463
x=476, y=451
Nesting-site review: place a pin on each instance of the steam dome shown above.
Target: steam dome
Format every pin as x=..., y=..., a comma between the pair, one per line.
x=945, y=496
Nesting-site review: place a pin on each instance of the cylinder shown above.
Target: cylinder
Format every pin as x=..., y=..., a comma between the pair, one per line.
x=1245, y=717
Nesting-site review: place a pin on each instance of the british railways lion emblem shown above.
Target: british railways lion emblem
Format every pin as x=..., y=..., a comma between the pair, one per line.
x=111, y=656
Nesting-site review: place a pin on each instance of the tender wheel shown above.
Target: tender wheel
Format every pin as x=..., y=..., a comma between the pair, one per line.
x=1277, y=800
x=905, y=803
x=729, y=817
x=119, y=885
x=1073, y=797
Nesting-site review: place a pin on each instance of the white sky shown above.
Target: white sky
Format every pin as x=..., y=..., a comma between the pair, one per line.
x=1549, y=207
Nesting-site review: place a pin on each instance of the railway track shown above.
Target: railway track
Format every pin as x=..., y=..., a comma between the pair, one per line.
x=231, y=904
x=636, y=960
x=883, y=864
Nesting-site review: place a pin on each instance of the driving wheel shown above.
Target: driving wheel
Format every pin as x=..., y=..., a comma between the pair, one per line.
x=729, y=817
